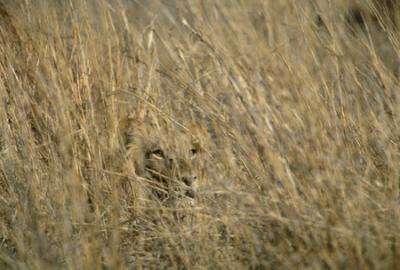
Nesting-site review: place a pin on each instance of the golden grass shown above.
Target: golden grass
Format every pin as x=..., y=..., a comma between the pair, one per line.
x=298, y=118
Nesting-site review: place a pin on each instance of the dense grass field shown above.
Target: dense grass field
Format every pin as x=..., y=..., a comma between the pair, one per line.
x=294, y=107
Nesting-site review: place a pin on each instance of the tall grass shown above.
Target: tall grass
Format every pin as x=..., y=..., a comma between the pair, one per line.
x=295, y=106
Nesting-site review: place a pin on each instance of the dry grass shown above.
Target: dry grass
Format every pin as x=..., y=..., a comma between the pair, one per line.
x=295, y=105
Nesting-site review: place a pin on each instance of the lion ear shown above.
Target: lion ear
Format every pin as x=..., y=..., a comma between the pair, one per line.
x=199, y=136
x=197, y=145
x=197, y=129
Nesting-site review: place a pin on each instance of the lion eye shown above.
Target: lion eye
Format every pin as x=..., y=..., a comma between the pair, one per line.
x=193, y=153
x=157, y=154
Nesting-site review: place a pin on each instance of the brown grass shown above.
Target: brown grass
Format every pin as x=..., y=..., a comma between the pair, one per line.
x=296, y=107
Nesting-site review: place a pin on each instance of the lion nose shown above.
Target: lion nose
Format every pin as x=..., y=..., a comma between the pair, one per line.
x=188, y=180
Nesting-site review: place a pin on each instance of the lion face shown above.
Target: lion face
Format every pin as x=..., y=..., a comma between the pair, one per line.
x=172, y=170
x=169, y=164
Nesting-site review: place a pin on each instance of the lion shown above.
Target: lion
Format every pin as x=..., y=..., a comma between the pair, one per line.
x=168, y=166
